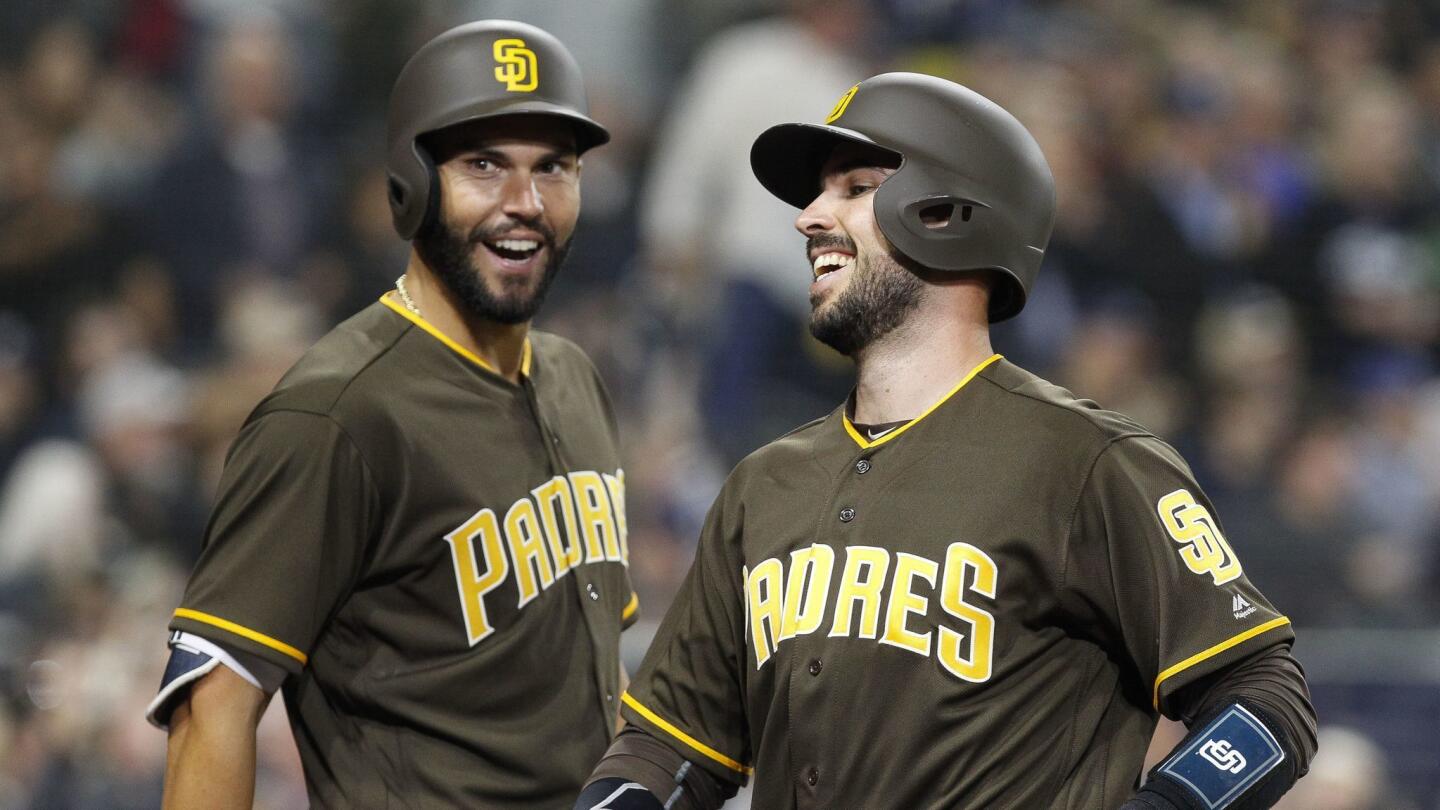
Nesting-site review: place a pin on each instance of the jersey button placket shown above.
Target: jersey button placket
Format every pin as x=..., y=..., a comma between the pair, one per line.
x=847, y=514
x=862, y=466
x=815, y=666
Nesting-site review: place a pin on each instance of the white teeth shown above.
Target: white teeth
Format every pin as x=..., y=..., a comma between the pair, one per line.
x=517, y=244
x=825, y=261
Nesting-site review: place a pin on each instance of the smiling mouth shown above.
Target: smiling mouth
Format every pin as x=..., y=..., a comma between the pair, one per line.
x=515, y=250
x=830, y=262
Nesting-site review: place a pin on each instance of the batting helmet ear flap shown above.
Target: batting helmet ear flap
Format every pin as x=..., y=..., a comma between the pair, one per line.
x=951, y=231
x=419, y=178
x=433, y=206
x=944, y=213
x=432, y=188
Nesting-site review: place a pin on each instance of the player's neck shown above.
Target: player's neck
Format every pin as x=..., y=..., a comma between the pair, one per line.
x=499, y=345
x=904, y=373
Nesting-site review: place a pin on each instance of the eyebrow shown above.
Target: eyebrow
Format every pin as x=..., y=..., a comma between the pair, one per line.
x=490, y=153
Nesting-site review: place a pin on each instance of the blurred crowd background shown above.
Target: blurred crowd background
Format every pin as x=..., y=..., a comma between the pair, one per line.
x=1247, y=260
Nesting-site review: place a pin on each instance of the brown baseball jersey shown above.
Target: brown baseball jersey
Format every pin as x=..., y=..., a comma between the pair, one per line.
x=985, y=607
x=437, y=556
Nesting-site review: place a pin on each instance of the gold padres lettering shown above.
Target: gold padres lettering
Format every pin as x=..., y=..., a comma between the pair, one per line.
x=516, y=65
x=565, y=522
x=880, y=596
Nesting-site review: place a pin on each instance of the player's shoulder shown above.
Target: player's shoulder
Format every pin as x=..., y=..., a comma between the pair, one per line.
x=1048, y=422
x=1063, y=414
x=795, y=446
x=556, y=352
x=338, y=366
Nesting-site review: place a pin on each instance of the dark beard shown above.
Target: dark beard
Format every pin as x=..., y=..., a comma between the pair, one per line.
x=448, y=255
x=877, y=300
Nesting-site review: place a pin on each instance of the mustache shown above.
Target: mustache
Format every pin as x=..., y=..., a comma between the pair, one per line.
x=482, y=233
x=823, y=241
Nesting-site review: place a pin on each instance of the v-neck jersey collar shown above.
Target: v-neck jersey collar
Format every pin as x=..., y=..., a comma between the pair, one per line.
x=466, y=354
x=866, y=444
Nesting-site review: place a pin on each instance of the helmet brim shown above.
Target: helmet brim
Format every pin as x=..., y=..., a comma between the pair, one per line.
x=787, y=158
x=588, y=133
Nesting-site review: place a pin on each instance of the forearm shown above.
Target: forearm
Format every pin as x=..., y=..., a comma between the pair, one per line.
x=210, y=761
x=1252, y=736
x=1275, y=681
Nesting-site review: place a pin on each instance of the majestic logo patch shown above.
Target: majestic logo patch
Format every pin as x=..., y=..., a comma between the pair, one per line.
x=839, y=108
x=1232, y=753
x=1240, y=607
x=1204, y=548
x=516, y=65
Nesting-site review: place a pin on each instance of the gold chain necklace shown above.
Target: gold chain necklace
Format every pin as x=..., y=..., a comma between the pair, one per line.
x=405, y=296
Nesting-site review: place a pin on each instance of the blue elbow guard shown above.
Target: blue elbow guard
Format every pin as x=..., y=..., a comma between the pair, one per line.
x=1236, y=760
x=614, y=793
x=186, y=666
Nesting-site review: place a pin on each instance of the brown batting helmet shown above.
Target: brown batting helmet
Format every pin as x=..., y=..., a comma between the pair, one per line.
x=973, y=192
x=475, y=71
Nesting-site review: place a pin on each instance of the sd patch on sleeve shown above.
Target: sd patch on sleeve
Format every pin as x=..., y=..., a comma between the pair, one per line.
x=1228, y=756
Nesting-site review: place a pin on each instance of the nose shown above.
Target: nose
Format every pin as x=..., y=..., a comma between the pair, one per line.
x=522, y=199
x=816, y=218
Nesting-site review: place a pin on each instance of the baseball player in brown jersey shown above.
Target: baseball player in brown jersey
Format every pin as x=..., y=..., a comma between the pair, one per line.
x=420, y=535
x=965, y=587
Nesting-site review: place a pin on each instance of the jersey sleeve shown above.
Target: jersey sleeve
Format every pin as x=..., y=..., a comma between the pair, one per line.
x=688, y=692
x=285, y=540
x=1149, y=555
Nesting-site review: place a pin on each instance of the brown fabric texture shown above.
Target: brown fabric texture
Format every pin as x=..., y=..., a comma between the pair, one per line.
x=383, y=474
x=978, y=610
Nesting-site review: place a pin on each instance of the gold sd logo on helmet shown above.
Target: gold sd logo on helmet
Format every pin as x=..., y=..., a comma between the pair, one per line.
x=517, y=65
x=840, y=105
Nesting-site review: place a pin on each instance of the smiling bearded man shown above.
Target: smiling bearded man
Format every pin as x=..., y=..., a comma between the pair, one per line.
x=420, y=533
x=877, y=300
x=455, y=255
x=964, y=588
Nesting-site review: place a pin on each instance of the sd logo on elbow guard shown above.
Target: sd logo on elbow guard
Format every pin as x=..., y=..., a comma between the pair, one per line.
x=1228, y=756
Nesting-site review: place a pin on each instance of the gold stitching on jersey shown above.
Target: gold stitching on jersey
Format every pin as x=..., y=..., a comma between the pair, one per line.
x=1214, y=651
x=453, y=346
x=242, y=631
x=685, y=738
x=866, y=444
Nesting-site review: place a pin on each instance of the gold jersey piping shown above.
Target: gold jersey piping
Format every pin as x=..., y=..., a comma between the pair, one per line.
x=445, y=339
x=675, y=732
x=242, y=631
x=1211, y=652
x=866, y=444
